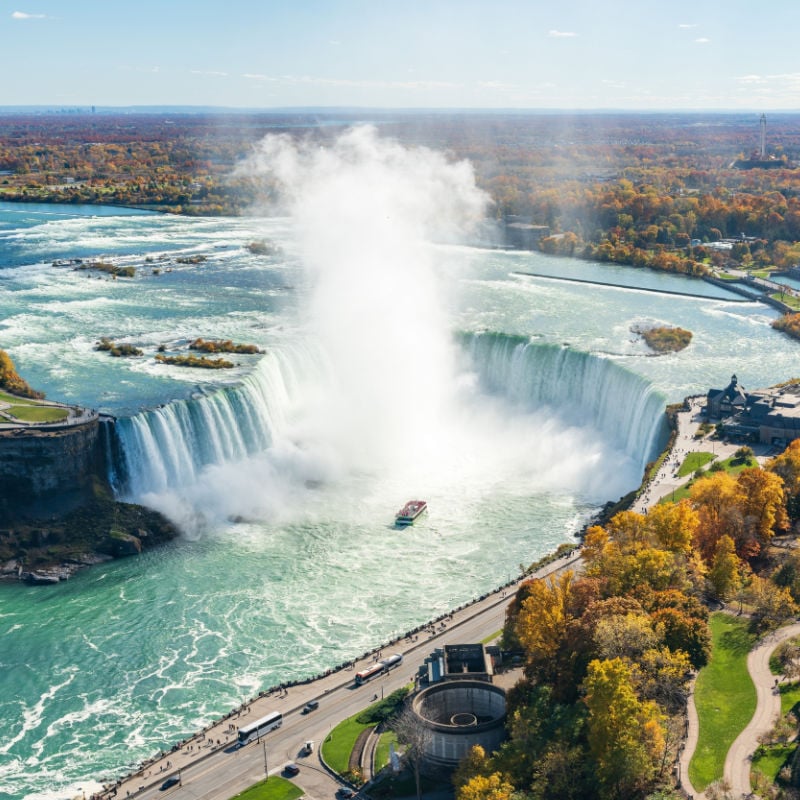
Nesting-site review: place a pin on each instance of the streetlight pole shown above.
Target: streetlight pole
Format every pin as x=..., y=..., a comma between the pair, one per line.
x=266, y=769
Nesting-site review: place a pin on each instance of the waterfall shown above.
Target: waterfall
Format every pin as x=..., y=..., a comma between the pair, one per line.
x=582, y=388
x=168, y=447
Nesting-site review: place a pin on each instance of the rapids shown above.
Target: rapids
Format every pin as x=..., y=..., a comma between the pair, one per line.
x=521, y=406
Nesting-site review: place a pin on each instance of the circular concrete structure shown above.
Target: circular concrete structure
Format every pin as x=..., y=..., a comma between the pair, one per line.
x=458, y=715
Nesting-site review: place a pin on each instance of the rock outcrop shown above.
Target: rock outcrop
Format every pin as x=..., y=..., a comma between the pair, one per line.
x=57, y=510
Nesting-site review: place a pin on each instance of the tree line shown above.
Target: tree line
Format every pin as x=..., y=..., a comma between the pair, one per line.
x=608, y=654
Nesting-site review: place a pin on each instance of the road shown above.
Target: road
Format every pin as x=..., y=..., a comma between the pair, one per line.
x=211, y=771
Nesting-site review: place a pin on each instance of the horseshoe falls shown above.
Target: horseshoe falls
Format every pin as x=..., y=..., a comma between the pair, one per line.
x=514, y=406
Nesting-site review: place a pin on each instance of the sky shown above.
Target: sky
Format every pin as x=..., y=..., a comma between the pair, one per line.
x=521, y=54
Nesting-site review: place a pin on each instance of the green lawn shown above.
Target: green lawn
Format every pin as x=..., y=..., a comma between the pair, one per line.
x=724, y=276
x=790, y=300
x=727, y=464
x=772, y=758
x=693, y=462
x=790, y=696
x=5, y=397
x=382, y=750
x=37, y=413
x=27, y=410
x=492, y=636
x=725, y=697
x=339, y=743
x=275, y=788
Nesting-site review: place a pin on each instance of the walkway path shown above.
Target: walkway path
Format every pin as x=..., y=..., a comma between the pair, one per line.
x=664, y=483
x=768, y=709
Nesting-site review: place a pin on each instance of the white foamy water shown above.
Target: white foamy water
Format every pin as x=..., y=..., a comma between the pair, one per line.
x=397, y=365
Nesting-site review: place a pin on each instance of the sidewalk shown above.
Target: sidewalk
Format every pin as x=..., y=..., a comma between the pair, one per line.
x=768, y=709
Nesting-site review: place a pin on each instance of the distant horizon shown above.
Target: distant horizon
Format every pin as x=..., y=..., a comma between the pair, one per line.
x=451, y=54
x=80, y=108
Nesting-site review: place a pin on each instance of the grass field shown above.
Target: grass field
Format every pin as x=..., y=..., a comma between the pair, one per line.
x=5, y=397
x=771, y=759
x=339, y=743
x=37, y=413
x=727, y=464
x=725, y=697
x=382, y=750
x=790, y=300
x=275, y=788
x=26, y=410
x=693, y=462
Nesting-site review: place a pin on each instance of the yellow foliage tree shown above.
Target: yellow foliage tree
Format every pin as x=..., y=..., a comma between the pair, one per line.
x=544, y=617
x=762, y=506
x=673, y=525
x=492, y=787
x=625, y=735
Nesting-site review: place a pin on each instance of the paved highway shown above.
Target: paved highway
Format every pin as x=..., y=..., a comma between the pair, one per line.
x=212, y=767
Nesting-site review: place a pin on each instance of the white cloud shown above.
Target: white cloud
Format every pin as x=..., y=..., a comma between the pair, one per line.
x=255, y=76
x=334, y=42
x=687, y=25
x=702, y=40
x=750, y=79
x=24, y=15
x=561, y=34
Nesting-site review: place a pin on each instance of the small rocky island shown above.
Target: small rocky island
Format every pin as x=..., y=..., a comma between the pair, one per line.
x=663, y=339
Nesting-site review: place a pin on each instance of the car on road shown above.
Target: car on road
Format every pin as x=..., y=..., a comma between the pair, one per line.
x=170, y=782
x=345, y=793
x=291, y=770
x=311, y=705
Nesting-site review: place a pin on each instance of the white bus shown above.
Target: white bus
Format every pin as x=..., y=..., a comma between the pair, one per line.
x=255, y=730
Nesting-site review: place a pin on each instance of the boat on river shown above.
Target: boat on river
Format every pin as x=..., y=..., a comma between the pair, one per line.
x=410, y=511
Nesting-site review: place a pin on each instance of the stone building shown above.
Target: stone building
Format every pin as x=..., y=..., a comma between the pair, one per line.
x=769, y=416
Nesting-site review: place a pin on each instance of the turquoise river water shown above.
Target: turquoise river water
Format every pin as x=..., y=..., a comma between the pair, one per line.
x=514, y=405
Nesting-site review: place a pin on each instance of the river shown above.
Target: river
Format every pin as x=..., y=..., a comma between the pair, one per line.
x=513, y=405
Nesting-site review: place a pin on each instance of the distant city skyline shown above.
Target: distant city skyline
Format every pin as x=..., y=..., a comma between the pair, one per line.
x=525, y=54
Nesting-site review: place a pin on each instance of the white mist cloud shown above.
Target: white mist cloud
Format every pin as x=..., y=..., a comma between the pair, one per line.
x=373, y=399
x=25, y=15
x=366, y=211
x=561, y=34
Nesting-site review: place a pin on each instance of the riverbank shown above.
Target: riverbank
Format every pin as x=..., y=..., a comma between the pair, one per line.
x=334, y=688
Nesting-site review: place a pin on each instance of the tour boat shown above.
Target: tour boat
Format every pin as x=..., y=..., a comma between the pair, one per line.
x=410, y=511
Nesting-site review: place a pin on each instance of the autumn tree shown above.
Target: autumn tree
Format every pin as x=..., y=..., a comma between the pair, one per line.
x=473, y=764
x=725, y=575
x=542, y=623
x=673, y=525
x=787, y=467
x=624, y=732
x=762, y=505
x=662, y=675
x=716, y=497
x=772, y=605
x=11, y=381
